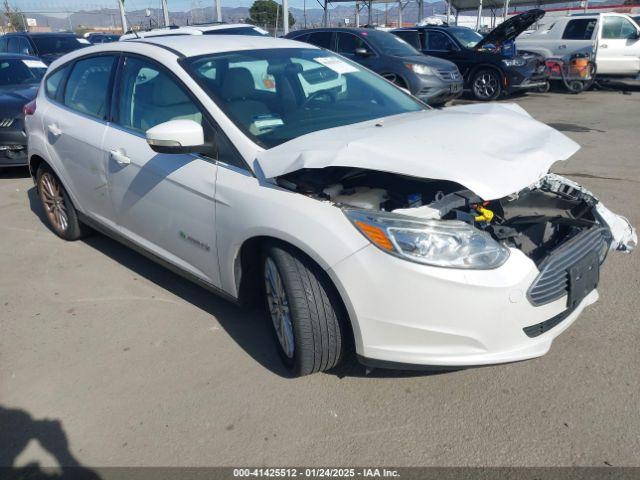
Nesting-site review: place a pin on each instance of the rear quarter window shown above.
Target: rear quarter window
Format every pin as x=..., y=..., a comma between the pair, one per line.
x=53, y=82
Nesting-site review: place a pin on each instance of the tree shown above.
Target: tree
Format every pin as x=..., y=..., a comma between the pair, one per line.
x=15, y=17
x=263, y=13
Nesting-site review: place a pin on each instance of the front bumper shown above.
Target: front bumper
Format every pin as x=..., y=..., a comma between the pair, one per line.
x=434, y=90
x=412, y=314
x=527, y=78
x=13, y=147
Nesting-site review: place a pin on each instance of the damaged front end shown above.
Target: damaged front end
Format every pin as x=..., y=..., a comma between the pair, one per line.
x=554, y=222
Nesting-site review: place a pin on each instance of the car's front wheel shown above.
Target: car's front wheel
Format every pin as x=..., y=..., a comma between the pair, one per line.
x=304, y=310
x=60, y=212
x=486, y=85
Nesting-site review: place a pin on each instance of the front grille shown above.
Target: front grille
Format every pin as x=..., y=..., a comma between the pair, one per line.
x=449, y=74
x=6, y=122
x=553, y=281
x=542, y=327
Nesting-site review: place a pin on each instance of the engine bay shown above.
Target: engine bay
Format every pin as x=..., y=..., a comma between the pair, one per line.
x=535, y=220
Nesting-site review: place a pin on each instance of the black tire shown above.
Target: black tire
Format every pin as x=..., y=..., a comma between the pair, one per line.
x=47, y=184
x=544, y=88
x=486, y=85
x=315, y=312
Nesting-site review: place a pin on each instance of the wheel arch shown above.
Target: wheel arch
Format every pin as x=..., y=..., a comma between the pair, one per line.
x=387, y=73
x=486, y=66
x=34, y=163
x=246, y=274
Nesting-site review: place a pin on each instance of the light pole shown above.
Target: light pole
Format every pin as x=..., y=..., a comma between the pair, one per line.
x=123, y=18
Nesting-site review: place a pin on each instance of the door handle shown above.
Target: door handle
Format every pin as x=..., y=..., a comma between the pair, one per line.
x=604, y=45
x=54, y=130
x=120, y=157
x=561, y=47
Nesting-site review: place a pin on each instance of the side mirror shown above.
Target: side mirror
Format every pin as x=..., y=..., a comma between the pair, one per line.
x=177, y=136
x=362, y=52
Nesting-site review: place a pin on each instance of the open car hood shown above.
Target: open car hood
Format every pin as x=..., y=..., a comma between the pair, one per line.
x=510, y=28
x=492, y=149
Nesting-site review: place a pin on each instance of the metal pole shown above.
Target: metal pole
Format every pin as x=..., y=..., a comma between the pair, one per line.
x=357, y=16
x=275, y=30
x=285, y=16
x=479, y=20
x=448, y=12
x=399, y=13
x=420, y=10
x=165, y=13
x=324, y=14
x=369, y=19
x=506, y=10
x=123, y=18
x=304, y=10
x=218, y=10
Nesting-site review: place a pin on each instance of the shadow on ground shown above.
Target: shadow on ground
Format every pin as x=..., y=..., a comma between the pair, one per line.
x=18, y=429
x=249, y=327
x=14, y=172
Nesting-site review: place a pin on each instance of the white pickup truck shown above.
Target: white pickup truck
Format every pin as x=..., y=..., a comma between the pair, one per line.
x=614, y=37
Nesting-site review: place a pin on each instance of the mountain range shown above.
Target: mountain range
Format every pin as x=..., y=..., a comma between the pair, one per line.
x=106, y=18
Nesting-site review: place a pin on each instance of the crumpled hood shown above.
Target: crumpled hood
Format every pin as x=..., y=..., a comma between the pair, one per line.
x=492, y=149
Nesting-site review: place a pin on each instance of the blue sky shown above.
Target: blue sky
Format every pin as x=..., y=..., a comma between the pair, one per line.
x=63, y=5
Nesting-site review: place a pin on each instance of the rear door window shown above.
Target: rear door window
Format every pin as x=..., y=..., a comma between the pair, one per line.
x=580, y=29
x=4, y=44
x=87, y=90
x=438, y=42
x=321, y=39
x=348, y=43
x=14, y=45
x=412, y=37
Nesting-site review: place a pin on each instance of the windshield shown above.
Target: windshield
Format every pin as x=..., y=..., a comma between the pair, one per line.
x=251, y=31
x=467, y=37
x=58, y=44
x=19, y=72
x=276, y=95
x=389, y=44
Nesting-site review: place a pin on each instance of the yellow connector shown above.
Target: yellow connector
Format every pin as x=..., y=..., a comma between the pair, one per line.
x=486, y=215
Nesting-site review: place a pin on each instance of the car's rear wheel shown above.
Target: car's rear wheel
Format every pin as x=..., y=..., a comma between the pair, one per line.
x=486, y=85
x=58, y=208
x=304, y=310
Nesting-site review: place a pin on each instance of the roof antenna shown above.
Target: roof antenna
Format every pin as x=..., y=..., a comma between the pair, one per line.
x=132, y=30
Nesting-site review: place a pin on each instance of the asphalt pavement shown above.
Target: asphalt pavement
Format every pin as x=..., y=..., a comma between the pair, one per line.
x=107, y=359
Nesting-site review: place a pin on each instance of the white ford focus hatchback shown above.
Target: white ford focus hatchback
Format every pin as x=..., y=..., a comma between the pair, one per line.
x=266, y=168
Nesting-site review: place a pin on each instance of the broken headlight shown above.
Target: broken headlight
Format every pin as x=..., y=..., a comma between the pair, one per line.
x=440, y=243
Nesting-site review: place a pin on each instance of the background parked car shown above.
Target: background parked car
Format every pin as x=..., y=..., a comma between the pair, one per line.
x=47, y=46
x=102, y=38
x=433, y=80
x=20, y=77
x=488, y=70
x=616, y=36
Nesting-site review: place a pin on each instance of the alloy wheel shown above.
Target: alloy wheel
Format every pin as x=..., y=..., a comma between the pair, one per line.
x=279, y=307
x=485, y=85
x=53, y=201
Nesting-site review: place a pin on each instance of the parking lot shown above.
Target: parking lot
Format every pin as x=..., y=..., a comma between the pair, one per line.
x=143, y=368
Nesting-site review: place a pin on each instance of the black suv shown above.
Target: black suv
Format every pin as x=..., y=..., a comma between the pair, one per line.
x=47, y=46
x=432, y=80
x=490, y=66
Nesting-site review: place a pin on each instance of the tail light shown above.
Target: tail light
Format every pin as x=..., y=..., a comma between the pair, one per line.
x=29, y=108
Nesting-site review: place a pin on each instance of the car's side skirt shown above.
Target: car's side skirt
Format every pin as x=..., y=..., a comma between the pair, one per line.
x=109, y=232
